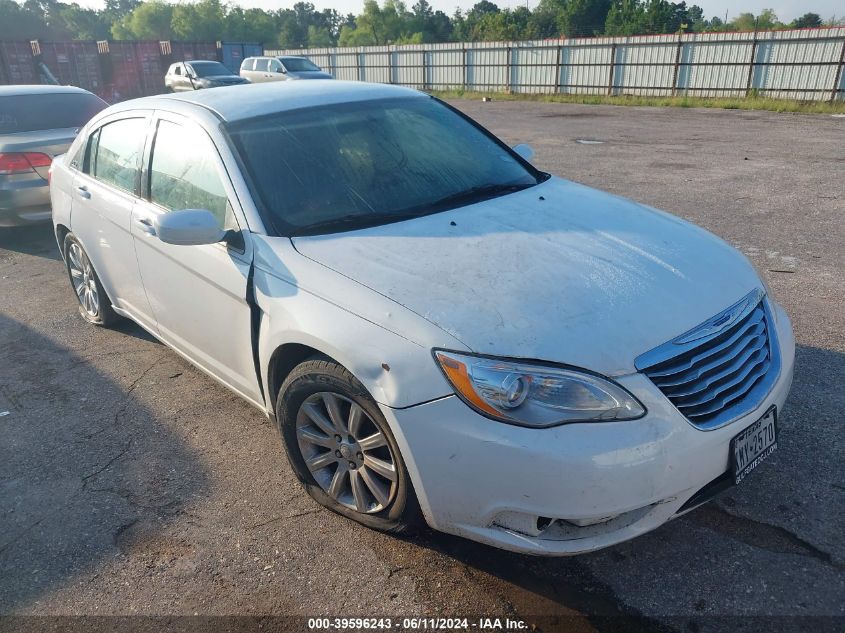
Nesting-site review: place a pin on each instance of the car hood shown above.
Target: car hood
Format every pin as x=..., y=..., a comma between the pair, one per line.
x=311, y=74
x=557, y=272
x=226, y=79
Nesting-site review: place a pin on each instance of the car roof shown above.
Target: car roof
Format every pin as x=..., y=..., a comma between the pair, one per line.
x=196, y=61
x=38, y=89
x=234, y=103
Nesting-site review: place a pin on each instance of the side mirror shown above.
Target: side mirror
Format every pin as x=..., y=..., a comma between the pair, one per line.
x=524, y=150
x=189, y=227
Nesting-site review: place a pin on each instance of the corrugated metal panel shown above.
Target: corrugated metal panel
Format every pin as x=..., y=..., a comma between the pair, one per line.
x=126, y=81
x=446, y=68
x=18, y=63
x=799, y=64
x=585, y=69
x=233, y=53
x=375, y=66
x=151, y=67
x=74, y=63
x=488, y=67
x=534, y=69
x=409, y=67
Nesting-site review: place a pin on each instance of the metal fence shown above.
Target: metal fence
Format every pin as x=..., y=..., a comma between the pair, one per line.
x=804, y=64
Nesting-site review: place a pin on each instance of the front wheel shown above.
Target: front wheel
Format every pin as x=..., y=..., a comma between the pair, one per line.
x=94, y=305
x=342, y=450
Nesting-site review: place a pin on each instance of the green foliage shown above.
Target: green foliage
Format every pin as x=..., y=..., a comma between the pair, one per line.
x=380, y=21
x=149, y=21
x=808, y=20
x=766, y=21
x=200, y=21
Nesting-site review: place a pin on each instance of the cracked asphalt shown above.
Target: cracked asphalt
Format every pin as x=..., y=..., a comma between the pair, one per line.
x=130, y=483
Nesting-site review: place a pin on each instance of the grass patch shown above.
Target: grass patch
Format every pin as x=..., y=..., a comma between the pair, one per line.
x=725, y=103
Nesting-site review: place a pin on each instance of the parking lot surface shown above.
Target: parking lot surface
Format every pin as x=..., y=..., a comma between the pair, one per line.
x=130, y=483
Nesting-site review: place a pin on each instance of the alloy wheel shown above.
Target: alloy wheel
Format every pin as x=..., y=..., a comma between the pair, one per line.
x=82, y=277
x=346, y=452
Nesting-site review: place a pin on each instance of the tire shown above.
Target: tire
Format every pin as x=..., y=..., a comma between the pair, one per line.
x=306, y=396
x=94, y=304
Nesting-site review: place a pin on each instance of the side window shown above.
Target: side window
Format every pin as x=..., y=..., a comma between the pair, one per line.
x=77, y=153
x=184, y=174
x=115, y=152
x=262, y=64
x=248, y=64
x=177, y=69
x=275, y=66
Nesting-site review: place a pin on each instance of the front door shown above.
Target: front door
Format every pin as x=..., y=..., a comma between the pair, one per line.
x=198, y=293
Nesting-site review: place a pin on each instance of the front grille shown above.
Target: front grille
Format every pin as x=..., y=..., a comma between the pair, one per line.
x=718, y=372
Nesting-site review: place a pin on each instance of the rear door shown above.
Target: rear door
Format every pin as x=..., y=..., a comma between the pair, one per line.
x=105, y=191
x=246, y=68
x=198, y=293
x=261, y=72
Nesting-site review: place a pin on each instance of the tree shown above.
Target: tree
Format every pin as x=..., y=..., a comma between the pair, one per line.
x=766, y=21
x=378, y=25
x=583, y=18
x=625, y=17
x=319, y=37
x=202, y=21
x=808, y=20
x=79, y=23
x=149, y=21
x=542, y=24
x=17, y=22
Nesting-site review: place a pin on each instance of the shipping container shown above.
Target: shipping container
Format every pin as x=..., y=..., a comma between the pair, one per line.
x=73, y=64
x=233, y=53
x=18, y=63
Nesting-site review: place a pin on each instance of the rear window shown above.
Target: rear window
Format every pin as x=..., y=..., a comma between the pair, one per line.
x=26, y=113
x=248, y=64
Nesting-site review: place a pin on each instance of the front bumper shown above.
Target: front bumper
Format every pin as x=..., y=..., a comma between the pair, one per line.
x=527, y=490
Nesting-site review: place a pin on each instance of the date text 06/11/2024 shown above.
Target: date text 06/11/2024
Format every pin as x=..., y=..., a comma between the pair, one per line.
x=417, y=624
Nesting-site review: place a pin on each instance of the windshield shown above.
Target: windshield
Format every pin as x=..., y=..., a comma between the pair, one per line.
x=351, y=165
x=210, y=69
x=298, y=64
x=52, y=111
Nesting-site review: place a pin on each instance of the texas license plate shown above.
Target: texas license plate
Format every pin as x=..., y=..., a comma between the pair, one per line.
x=753, y=445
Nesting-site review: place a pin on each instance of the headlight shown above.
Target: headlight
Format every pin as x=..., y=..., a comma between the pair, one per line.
x=535, y=395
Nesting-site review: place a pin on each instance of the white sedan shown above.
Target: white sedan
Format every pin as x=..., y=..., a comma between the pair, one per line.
x=443, y=333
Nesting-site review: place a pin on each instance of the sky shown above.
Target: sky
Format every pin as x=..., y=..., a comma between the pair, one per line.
x=786, y=10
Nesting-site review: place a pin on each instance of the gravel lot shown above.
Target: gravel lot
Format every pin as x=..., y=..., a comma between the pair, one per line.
x=132, y=484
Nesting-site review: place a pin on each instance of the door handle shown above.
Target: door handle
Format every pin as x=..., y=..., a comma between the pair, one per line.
x=146, y=226
x=83, y=192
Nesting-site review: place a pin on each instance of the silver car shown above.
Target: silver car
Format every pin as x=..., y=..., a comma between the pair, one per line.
x=282, y=68
x=36, y=124
x=199, y=74
x=442, y=333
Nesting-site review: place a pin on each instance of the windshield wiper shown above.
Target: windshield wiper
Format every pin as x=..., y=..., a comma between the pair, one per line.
x=352, y=221
x=476, y=194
